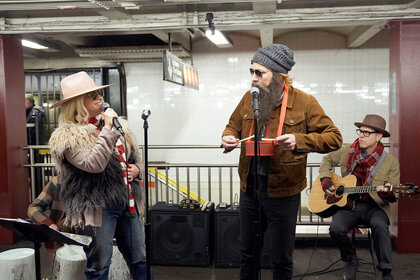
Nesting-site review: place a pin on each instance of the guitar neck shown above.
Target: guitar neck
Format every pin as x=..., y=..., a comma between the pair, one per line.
x=360, y=189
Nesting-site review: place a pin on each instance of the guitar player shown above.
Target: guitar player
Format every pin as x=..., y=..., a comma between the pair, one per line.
x=372, y=166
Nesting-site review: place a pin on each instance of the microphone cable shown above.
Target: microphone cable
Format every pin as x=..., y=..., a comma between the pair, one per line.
x=313, y=250
x=327, y=269
x=318, y=272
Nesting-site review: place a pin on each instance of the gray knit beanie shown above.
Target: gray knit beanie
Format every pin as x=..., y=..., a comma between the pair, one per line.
x=277, y=57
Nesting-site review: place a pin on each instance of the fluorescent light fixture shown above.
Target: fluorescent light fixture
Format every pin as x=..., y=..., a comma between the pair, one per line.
x=33, y=45
x=218, y=39
x=129, y=6
x=67, y=7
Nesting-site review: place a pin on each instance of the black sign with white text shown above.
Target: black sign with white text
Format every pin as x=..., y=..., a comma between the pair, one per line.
x=176, y=71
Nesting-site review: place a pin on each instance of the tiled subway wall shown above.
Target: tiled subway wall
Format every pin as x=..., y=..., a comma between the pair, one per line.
x=348, y=83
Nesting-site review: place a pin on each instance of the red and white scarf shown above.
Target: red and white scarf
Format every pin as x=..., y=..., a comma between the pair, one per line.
x=123, y=160
x=119, y=148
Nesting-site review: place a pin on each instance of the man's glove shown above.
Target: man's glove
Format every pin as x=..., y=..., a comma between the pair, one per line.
x=387, y=196
x=326, y=183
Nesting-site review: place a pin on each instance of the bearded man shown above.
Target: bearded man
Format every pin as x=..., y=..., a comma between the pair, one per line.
x=281, y=174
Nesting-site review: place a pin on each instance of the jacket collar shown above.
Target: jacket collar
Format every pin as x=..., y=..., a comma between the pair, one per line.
x=290, y=99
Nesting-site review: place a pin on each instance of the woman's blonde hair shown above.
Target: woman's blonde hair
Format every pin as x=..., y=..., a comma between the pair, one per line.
x=287, y=79
x=72, y=109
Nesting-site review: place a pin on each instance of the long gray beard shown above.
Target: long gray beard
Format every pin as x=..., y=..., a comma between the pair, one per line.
x=268, y=97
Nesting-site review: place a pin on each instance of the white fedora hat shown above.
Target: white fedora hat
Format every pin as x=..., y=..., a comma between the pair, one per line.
x=76, y=85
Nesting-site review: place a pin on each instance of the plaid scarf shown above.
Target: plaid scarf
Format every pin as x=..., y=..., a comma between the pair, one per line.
x=355, y=157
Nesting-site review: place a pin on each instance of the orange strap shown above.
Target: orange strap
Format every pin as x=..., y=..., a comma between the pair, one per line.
x=250, y=132
x=252, y=126
x=282, y=114
x=283, y=110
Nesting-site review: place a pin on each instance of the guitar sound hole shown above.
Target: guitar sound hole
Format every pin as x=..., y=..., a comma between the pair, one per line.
x=340, y=191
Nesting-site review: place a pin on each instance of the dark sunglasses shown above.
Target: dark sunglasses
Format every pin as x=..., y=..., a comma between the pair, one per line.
x=257, y=72
x=94, y=94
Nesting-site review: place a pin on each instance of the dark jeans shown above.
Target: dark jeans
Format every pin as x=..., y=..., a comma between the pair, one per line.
x=278, y=216
x=129, y=233
x=371, y=215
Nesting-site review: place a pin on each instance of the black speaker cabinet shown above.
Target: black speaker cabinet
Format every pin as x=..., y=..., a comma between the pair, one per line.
x=181, y=237
x=226, y=238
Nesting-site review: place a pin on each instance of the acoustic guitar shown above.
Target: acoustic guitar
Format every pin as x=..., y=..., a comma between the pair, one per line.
x=326, y=206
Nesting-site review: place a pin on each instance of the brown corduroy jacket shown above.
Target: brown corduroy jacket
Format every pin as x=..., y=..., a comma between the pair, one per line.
x=306, y=120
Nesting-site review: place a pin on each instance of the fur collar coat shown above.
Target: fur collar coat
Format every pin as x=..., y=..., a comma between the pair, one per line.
x=90, y=171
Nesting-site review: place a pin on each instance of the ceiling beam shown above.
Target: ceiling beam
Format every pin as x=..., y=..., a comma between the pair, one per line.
x=181, y=38
x=363, y=33
x=55, y=4
x=414, y=4
x=134, y=53
x=199, y=31
x=28, y=52
x=84, y=4
x=113, y=13
x=232, y=20
x=65, y=63
x=163, y=36
x=264, y=7
x=266, y=35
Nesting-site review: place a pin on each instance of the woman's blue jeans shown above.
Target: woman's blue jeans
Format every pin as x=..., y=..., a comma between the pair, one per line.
x=129, y=233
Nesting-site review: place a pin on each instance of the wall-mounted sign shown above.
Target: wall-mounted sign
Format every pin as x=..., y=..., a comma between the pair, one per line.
x=190, y=76
x=176, y=71
x=172, y=68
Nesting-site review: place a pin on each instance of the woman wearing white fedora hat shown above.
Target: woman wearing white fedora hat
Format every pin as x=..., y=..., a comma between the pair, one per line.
x=100, y=177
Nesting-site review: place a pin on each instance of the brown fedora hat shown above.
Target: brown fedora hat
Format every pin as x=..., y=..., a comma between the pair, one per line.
x=375, y=122
x=76, y=85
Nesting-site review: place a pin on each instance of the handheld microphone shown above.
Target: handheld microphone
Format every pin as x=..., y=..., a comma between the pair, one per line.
x=115, y=121
x=255, y=92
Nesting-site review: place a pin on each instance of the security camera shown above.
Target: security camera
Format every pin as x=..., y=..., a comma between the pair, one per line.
x=209, y=17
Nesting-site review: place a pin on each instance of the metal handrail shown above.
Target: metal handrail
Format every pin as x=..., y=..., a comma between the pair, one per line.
x=206, y=181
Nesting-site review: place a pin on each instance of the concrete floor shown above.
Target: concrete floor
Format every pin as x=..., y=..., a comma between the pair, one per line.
x=321, y=262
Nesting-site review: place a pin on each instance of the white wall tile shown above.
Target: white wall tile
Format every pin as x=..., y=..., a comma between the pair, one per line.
x=348, y=83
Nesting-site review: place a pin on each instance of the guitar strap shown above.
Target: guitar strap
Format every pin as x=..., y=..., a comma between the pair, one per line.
x=375, y=169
